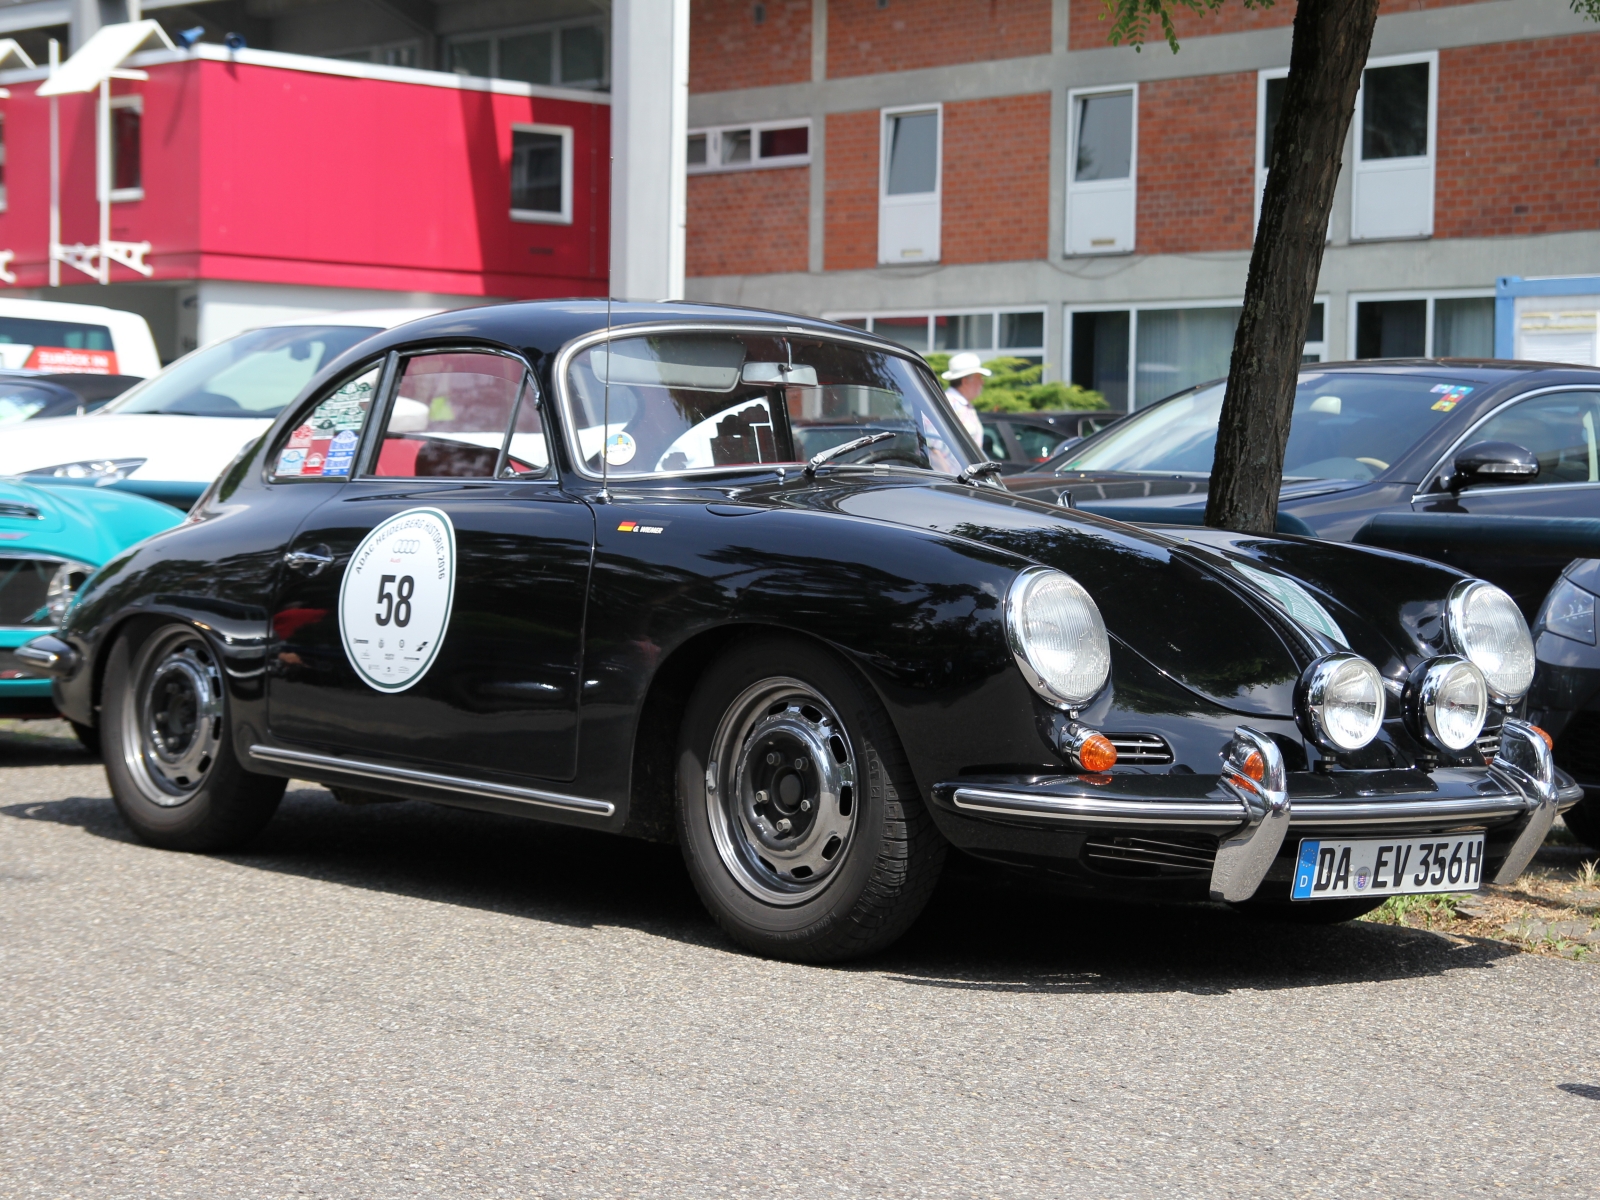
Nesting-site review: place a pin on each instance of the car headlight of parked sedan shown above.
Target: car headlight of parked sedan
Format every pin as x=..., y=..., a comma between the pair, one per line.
x=1058, y=636
x=1487, y=628
x=99, y=471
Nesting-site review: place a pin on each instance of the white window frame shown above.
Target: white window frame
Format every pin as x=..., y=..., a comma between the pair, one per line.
x=3, y=184
x=887, y=202
x=1134, y=309
x=713, y=135
x=1261, y=129
x=1427, y=336
x=1075, y=189
x=493, y=36
x=534, y=216
x=1363, y=174
x=998, y=351
x=134, y=101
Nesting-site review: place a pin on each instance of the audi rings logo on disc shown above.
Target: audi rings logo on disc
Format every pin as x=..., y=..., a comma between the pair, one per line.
x=394, y=602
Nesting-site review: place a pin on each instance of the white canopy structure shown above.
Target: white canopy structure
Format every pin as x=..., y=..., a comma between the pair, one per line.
x=9, y=51
x=97, y=62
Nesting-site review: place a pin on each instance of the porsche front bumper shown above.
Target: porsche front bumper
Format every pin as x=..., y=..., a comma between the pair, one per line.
x=1518, y=795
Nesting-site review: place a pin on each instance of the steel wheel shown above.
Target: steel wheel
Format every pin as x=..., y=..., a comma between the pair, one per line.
x=173, y=730
x=780, y=791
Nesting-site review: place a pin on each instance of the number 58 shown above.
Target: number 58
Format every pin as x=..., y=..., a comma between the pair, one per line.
x=396, y=605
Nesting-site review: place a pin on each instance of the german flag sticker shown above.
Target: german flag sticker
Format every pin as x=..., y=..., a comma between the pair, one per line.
x=627, y=527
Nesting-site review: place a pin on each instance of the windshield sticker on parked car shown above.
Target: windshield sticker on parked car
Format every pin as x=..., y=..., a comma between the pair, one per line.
x=395, y=600
x=1451, y=394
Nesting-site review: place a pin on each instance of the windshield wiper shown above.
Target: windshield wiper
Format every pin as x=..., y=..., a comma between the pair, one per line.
x=821, y=457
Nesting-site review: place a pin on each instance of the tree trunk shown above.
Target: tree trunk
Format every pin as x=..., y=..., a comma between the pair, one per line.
x=1331, y=39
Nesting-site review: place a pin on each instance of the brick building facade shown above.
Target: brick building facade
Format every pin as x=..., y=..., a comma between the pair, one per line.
x=990, y=174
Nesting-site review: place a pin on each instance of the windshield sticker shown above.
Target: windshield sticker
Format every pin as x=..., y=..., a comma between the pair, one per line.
x=1296, y=601
x=341, y=452
x=1451, y=394
x=620, y=448
x=395, y=600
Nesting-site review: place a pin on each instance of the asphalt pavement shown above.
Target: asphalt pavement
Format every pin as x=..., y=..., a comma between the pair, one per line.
x=411, y=1001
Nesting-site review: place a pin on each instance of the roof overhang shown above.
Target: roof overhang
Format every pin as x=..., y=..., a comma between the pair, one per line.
x=102, y=56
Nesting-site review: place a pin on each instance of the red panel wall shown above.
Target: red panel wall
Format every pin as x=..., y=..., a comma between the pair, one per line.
x=727, y=49
x=283, y=176
x=866, y=39
x=1197, y=144
x=996, y=179
x=851, y=224
x=1519, y=138
x=749, y=222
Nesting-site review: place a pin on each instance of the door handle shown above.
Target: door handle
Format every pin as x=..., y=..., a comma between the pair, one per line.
x=310, y=561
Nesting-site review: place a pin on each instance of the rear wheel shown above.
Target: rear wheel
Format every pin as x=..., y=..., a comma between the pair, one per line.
x=168, y=749
x=797, y=813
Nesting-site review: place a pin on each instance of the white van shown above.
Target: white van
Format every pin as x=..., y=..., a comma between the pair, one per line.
x=42, y=335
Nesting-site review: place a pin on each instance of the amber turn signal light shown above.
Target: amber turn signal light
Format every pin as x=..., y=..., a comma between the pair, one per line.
x=1254, y=766
x=1095, y=753
x=1548, y=741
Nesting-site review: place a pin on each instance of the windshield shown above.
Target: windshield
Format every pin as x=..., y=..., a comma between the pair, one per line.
x=1345, y=426
x=251, y=375
x=705, y=401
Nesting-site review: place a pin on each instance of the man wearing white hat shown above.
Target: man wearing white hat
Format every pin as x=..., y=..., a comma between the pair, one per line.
x=966, y=376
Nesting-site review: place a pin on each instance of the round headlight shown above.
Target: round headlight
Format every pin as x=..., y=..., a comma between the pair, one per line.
x=62, y=589
x=1447, y=702
x=1341, y=701
x=1057, y=636
x=1486, y=626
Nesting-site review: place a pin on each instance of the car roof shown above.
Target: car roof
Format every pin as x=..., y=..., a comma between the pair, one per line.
x=378, y=318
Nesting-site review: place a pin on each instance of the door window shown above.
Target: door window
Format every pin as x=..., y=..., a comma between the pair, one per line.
x=1559, y=428
x=909, y=210
x=323, y=446
x=463, y=414
x=1102, y=172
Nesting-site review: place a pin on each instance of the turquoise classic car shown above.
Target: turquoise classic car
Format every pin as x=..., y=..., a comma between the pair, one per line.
x=52, y=538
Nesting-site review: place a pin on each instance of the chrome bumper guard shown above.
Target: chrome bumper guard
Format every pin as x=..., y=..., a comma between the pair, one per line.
x=49, y=654
x=1253, y=804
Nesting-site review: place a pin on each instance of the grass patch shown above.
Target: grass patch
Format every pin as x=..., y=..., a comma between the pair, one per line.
x=1423, y=911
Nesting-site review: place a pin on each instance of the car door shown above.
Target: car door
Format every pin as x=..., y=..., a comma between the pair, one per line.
x=1561, y=428
x=431, y=610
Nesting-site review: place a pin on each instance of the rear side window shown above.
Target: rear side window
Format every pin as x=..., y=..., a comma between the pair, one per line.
x=463, y=414
x=323, y=446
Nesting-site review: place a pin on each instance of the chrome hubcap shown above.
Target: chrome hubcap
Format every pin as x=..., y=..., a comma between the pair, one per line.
x=178, y=723
x=780, y=791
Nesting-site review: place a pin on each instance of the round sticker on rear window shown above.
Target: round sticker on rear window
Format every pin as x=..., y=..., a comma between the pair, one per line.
x=394, y=603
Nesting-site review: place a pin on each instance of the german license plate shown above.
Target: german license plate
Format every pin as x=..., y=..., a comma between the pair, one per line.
x=1388, y=867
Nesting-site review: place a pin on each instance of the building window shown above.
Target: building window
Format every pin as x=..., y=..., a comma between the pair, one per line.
x=748, y=147
x=572, y=55
x=1269, y=103
x=390, y=54
x=1167, y=348
x=1451, y=325
x=908, y=191
x=1102, y=169
x=127, y=170
x=992, y=333
x=1395, y=114
x=541, y=173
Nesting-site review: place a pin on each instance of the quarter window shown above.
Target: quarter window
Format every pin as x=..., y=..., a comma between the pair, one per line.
x=463, y=415
x=1559, y=428
x=323, y=446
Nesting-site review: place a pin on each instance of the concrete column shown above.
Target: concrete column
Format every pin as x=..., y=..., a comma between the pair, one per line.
x=89, y=15
x=649, y=127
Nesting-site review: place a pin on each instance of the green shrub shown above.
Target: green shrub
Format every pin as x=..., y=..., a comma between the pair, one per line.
x=1014, y=387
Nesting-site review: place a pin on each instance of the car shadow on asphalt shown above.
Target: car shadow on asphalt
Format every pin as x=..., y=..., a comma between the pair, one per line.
x=983, y=930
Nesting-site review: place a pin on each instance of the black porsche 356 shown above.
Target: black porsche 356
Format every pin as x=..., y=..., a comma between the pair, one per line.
x=739, y=579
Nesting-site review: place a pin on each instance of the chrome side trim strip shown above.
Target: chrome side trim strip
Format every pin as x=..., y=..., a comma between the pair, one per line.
x=449, y=783
x=1220, y=813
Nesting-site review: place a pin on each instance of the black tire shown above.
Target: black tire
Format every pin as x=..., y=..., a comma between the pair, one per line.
x=1583, y=821
x=1308, y=912
x=88, y=737
x=765, y=699
x=169, y=749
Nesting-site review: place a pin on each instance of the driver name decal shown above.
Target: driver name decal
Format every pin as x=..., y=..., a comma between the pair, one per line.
x=395, y=599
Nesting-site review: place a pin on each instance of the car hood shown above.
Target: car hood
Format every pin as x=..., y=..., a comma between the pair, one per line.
x=1180, y=598
x=180, y=449
x=1165, y=490
x=88, y=524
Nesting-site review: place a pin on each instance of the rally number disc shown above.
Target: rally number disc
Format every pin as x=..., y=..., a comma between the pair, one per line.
x=394, y=603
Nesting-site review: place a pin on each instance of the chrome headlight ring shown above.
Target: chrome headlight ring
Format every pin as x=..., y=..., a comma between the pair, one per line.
x=1339, y=701
x=1446, y=703
x=1057, y=636
x=1485, y=627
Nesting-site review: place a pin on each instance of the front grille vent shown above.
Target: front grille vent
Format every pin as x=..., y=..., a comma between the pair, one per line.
x=1149, y=856
x=19, y=512
x=1488, y=744
x=1137, y=748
